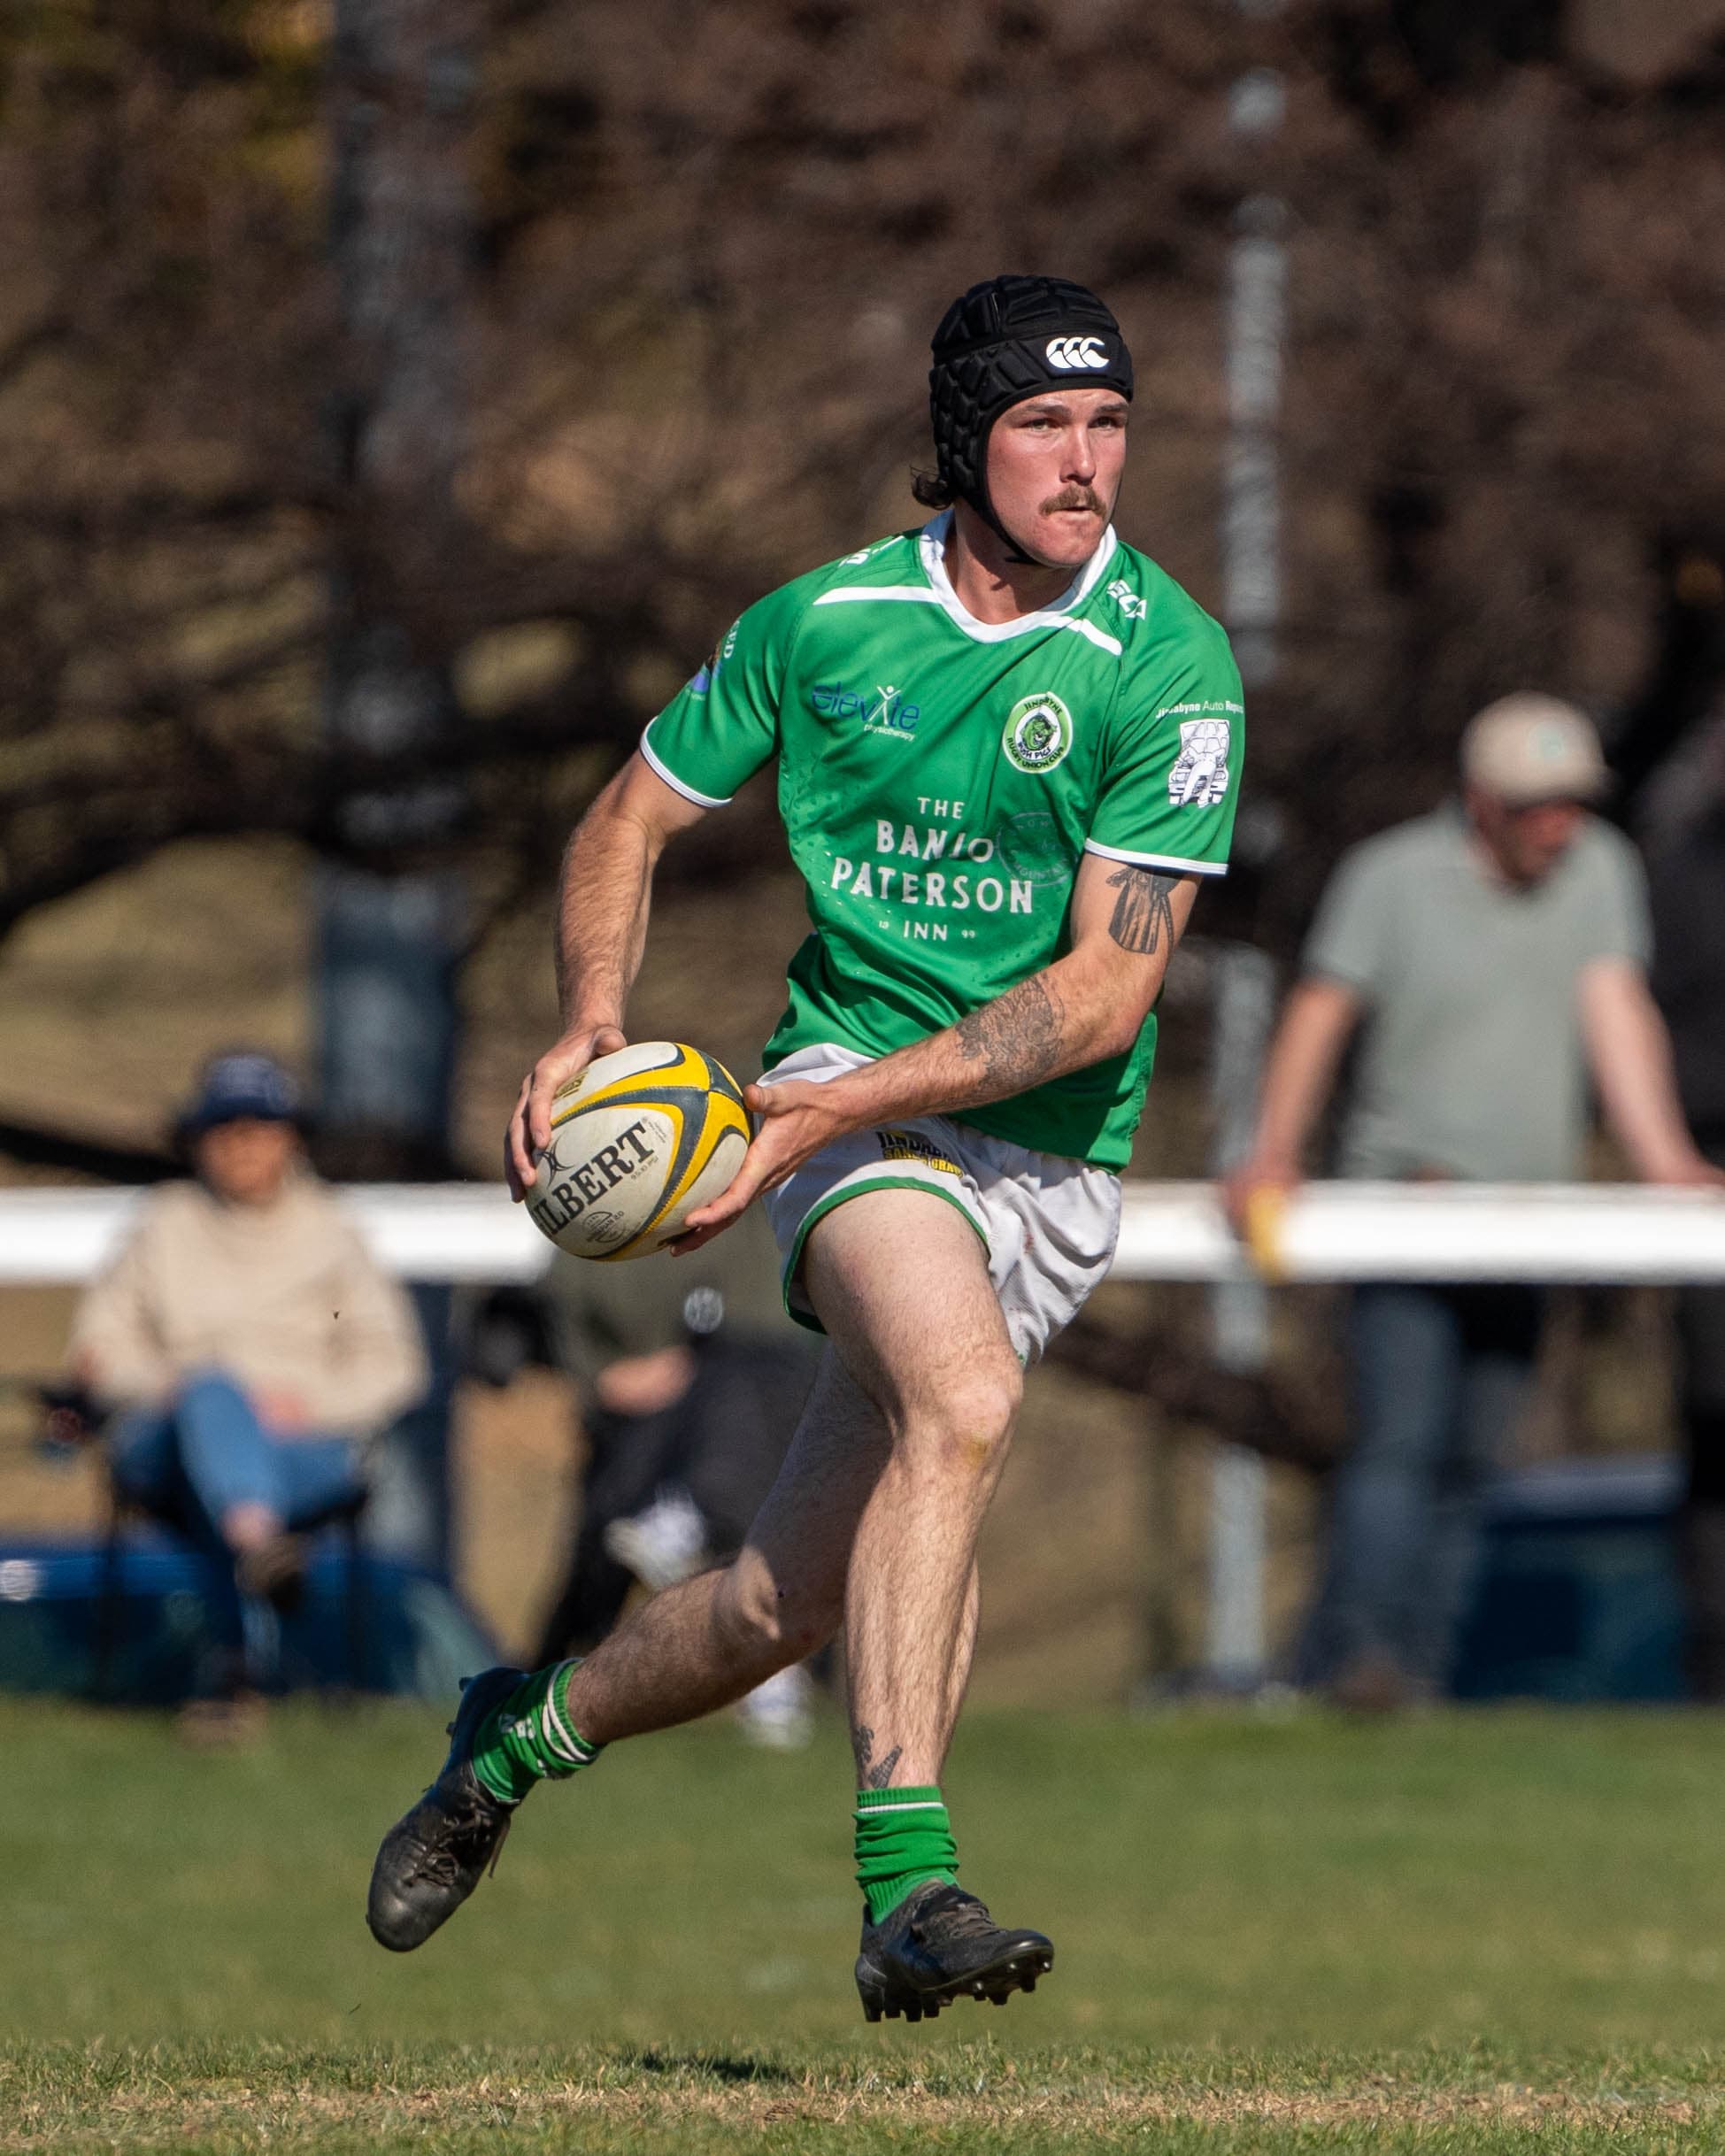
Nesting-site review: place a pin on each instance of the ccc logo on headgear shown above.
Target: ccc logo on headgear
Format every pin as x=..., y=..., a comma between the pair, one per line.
x=1068, y=352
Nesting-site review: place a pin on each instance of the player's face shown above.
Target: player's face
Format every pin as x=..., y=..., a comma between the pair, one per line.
x=1526, y=843
x=1054, y=471
x=247, y=1161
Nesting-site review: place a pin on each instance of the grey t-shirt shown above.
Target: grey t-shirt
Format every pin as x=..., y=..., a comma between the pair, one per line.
x=1471, y=1062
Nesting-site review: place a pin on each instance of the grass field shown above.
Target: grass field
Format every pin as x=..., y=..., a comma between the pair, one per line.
x=1485, y=1933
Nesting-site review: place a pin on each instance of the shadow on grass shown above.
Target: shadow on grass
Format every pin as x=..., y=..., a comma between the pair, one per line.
x=714, y=2066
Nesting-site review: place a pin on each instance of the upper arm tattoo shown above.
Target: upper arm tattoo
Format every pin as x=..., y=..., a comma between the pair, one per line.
x=1143, y=916
x=1017, y=1037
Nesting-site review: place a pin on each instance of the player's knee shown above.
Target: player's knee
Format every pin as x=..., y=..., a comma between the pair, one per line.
x=779, y=1621
x=805, y=1623
x=967, y=1429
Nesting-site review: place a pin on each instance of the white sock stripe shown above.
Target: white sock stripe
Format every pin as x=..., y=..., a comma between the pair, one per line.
x=564, y=1741
x=573, y=1755
x=553, y=1760
x=882, y=1810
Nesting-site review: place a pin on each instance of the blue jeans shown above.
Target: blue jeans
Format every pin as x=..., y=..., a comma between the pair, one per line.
x=189, y=1462
x=206, y=1452
x=1439, y=1375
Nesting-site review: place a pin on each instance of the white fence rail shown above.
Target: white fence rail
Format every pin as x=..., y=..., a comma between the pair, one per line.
x=1170, y=1231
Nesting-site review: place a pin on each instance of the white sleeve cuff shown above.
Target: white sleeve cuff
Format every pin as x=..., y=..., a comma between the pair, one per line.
x=1176, y=862
x=662, y=770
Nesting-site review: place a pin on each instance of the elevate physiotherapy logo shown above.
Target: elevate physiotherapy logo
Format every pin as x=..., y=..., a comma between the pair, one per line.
x=890, y=712
x=885, y=708
x=1038, y=734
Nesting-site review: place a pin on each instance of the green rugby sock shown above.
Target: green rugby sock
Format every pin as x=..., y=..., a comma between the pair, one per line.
x=531, y=1738
x=904, y=1840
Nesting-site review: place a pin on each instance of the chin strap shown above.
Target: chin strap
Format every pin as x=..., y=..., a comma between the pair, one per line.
x=1015, y=553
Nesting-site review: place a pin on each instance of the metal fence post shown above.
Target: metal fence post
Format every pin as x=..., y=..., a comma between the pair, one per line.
x=1234, y=1642
x=1244, y=1005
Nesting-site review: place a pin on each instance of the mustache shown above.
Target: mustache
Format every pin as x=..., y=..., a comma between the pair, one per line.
x=1074, y=498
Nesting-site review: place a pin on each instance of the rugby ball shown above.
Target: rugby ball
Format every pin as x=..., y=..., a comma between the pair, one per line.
x=638, y=1141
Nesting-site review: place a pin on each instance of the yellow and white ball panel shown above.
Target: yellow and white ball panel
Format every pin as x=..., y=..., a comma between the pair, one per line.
x=638, y=1141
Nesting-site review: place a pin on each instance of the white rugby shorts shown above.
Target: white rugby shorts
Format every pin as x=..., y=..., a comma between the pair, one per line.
x=1047, y=1224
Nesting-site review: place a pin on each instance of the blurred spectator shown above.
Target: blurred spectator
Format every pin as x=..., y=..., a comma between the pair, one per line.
x=1687, y=877
x=1492, y=953
x=691, y=1380
x=244, y=1344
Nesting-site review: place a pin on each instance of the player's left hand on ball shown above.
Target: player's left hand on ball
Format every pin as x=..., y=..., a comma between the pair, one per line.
x=792, y=1122
x=529, y=1128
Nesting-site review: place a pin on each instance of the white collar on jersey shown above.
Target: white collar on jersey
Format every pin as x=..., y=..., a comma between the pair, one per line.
x=938, y=592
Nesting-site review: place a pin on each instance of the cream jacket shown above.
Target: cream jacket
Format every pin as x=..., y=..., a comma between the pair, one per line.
x=282, y=1297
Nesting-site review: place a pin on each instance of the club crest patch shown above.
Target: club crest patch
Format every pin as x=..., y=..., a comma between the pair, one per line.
x=1038, y=734
x=1199, y=776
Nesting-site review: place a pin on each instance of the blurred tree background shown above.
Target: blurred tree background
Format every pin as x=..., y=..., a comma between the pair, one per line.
x=706, y=251
x=670, y=275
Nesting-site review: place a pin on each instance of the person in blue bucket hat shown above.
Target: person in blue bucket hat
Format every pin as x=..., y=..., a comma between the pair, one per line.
x=244, y=1346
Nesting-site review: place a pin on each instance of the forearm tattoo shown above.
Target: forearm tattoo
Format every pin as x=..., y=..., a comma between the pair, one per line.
x=1016, y=1038
x=1143, y=917
x=871, y=1773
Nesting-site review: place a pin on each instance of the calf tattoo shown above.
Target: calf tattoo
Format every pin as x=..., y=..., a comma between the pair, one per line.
x=1143, y=916
x=871, y=1773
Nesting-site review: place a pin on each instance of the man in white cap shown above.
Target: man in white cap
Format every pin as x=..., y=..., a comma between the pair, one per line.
x=1493, y=956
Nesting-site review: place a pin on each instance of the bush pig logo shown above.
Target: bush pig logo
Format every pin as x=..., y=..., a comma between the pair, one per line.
x=1038, y=734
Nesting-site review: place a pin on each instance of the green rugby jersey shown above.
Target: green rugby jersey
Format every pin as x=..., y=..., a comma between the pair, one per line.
x=940, y=777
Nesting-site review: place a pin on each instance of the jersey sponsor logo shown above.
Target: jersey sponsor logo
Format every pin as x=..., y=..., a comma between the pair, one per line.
x=931, y=890
x=1038, y=734
x=911, y=1145
x=1031, y=847
x=1130, y=604
x=1066, y=353
x=715, y=658
x=883, y=710
x=889, y=713
x=1199, y=776
x=936, y=845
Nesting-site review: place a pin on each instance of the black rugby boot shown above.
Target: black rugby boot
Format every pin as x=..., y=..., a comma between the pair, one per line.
x=940, y=1943
x=433, y=1858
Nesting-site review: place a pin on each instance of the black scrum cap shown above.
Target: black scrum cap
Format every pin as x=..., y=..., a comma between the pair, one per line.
x=1011, y=338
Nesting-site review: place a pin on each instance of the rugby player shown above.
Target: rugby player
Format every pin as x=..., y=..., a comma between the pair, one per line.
x=1008, y=753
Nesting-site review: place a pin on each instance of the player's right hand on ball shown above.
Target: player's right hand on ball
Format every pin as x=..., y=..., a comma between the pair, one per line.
x=529, y=1128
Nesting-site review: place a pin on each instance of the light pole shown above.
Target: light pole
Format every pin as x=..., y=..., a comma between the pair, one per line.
x=401, y=240
x=1244, y=1003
